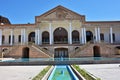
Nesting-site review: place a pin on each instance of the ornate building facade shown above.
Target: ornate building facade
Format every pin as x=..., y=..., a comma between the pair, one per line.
x=59, y=32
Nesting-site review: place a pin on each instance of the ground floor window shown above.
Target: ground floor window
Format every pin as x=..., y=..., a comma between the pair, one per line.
x=61, y=53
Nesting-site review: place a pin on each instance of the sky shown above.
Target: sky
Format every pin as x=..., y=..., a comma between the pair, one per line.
x=24, y=11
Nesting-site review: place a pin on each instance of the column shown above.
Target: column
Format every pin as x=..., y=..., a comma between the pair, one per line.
x=21, y=36
x=70, y=32
x=99, y=34
x=0, y=37
x=11, y=38
x=40, y=37
x=24, y=34
x=36, y=36
x=84, y=30
x=96, y=35
x=82, y=35
x=111, y=36
x=38, y=41
x=51, y=35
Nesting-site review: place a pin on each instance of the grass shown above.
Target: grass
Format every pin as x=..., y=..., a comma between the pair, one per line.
x=42, y=73
x=85, y=74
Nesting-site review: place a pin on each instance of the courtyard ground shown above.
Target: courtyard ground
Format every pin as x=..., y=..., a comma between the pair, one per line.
x=104, y=71
x=19, y=72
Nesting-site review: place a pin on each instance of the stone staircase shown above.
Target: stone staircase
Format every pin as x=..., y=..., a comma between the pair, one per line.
x=77, y=52
x=17, y=52
x=37, y=53
x=44, y=51
x=11, y=51
x=106, y=50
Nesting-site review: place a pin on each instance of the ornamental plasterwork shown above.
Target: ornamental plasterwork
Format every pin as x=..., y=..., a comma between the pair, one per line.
x=60, y=14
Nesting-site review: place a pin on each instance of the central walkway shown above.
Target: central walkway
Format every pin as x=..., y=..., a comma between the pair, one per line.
x=103, y=71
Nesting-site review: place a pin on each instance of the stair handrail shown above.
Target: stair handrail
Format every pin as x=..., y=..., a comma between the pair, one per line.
x=79, y=48
x=43, y=50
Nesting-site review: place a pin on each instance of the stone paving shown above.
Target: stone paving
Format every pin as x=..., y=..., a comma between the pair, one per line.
x=104, y=71
x=19, y=72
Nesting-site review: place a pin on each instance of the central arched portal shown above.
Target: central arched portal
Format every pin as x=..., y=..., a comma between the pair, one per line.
x=61, y=52
x=60, y=36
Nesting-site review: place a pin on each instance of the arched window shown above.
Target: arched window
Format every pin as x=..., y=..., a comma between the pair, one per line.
x=75, y=36
x=31, y=37
x=60, y=35
x=113, y=37
x=89, y=36
x=19, y=38
x=102, y=36
x=3, y=39
x=45, y=37
x=10, y=39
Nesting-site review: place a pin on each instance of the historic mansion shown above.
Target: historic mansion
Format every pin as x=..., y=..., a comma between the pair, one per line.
x=59, y=32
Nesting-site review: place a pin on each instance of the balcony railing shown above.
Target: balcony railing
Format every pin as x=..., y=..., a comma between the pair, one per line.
x=60, y=42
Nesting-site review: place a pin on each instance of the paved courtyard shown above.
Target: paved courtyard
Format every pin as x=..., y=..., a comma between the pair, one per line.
x=19, y=72
x=104, y=71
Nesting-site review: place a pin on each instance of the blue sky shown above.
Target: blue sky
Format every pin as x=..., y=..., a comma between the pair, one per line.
x=24, y=11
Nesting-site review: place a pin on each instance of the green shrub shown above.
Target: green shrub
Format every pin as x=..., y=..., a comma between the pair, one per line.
x=86, y=75
x=42, y=73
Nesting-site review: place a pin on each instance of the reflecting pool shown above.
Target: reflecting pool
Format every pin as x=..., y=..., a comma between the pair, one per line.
x=63, y=72
x=63, y=59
